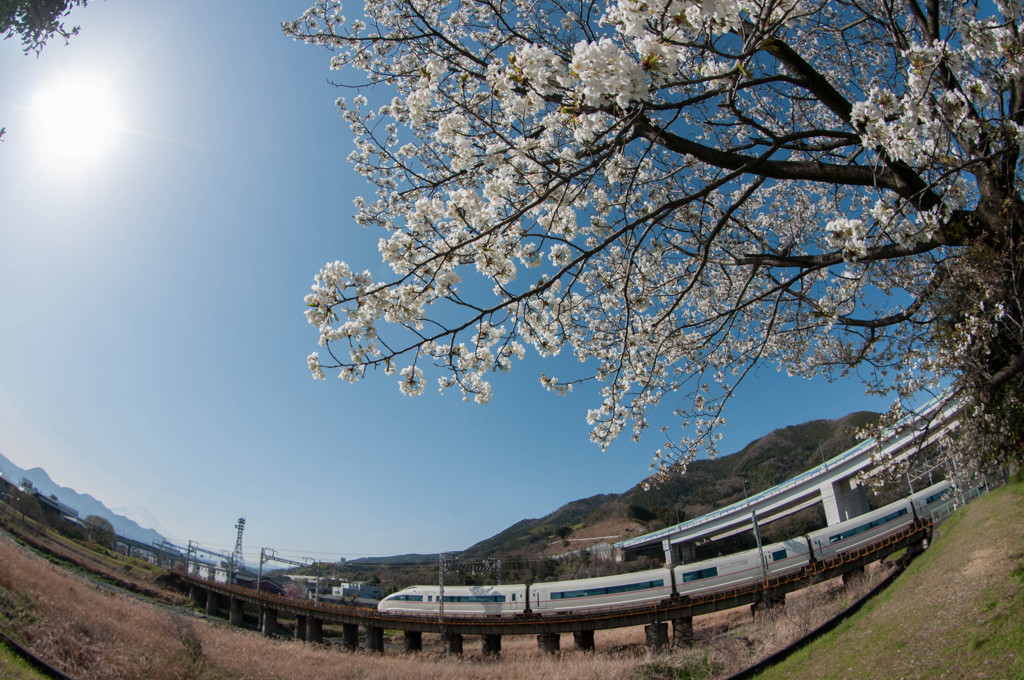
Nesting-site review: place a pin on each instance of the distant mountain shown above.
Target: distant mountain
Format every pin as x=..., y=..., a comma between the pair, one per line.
x=706, y=485
x=530, y=534
x=411, y=558
x=84, y=503
x=141, y=516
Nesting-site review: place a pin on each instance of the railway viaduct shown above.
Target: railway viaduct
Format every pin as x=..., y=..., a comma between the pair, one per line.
x=310, y=617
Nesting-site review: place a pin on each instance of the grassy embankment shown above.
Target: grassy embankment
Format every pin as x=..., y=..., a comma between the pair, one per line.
x=957, y=612
x=12, y=667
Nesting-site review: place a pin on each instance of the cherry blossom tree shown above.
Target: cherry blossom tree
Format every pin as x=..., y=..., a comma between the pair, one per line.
x=677, y=191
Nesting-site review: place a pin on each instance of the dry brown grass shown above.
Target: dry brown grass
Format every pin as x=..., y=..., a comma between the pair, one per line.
x=131, y=574
x=89, y=632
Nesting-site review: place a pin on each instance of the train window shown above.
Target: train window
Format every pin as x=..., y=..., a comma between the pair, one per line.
x=700, y=574
x=869, y=525
x=779, y=555
x=474, y=598
x=609, y=590
x=647, y=585
x=408, y=598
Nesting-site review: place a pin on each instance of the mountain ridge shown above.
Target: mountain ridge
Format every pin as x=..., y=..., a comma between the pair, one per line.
x=708, y=484
x=84, y=503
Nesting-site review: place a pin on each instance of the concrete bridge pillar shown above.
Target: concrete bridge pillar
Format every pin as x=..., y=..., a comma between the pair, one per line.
x=549, y=643
x=300, y=626
x=583, y=640
x=657, y=636
x=491, y=645
x=769, y=600
x=350, y=636
x=197, y=595
x=315, y=630
x=843, y=500
x=852, y=575
x=413, y=641
x=453, y=644
x=269, y=622
x=212, y=603
x=375, y=638
x=916, y=548
x=682, y=632
x=237, y=615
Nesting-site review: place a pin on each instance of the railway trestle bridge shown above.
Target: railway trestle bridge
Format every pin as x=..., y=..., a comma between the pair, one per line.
x=310, y=616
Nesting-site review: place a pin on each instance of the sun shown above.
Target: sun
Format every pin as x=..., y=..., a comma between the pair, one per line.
x=75, y=120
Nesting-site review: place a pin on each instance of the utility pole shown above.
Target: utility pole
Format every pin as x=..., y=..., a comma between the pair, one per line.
x=760, y=548
x=440, y=609
x=259, y=573
x=270, y=555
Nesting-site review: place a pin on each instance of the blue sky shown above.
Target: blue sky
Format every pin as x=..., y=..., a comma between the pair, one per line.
x=153, y=345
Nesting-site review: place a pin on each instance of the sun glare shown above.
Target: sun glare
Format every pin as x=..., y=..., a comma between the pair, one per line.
x=75, y=120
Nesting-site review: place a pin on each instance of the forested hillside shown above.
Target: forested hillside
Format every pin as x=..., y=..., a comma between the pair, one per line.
x=706, y=485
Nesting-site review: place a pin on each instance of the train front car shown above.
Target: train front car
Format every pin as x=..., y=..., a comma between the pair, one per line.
x=410, y=599
x=458, y=600
x=602, y=592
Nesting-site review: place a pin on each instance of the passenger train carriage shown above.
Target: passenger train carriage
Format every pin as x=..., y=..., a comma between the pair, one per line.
x=486, y=600
x=687, y=579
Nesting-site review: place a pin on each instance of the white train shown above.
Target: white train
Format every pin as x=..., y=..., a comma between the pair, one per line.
x=657, y=584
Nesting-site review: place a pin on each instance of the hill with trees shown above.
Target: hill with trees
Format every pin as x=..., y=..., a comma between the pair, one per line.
x=706, y=485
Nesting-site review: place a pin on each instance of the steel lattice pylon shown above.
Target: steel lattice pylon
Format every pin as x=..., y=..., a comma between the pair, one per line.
x=236, y=557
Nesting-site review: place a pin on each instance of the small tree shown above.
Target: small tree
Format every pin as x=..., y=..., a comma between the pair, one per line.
x=101, y=531
x=677, y=191
x=27, y=504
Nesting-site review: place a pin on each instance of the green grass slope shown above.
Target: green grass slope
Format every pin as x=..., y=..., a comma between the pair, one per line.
x=957, y=612
x=13, y=667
